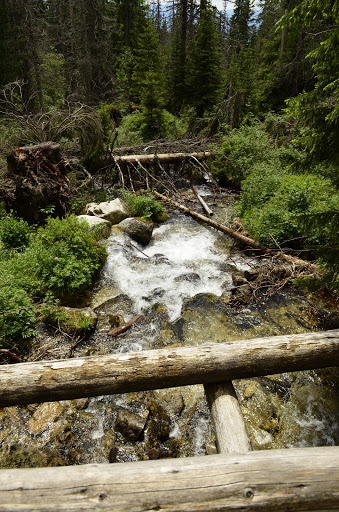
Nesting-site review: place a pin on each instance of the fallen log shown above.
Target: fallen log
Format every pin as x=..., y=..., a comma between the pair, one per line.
x=297, y=479
x=202, y=202
x=123, y=328
x=40, y=381
x=245, y=240
x=161, y=157
x=228, y=421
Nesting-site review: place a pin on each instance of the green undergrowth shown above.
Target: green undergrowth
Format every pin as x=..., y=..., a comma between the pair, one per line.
x=144, y=206
x=284, y=203
x=60, y=259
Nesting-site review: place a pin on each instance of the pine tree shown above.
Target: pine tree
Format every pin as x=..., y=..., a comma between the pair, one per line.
x=146, y=60
x=177, y=88
x=205, y=63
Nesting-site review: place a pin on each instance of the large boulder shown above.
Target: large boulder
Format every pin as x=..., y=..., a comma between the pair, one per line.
x=138, y=229
x=114, y=211
x=102, y=227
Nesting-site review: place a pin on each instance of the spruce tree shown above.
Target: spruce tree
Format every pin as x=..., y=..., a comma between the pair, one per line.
x=205, y=63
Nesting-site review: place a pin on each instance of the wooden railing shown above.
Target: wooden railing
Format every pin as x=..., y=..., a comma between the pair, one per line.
x=294, y=479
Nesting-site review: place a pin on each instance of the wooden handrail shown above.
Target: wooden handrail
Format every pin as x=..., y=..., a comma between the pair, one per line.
x=155, y=369
x=270, y=480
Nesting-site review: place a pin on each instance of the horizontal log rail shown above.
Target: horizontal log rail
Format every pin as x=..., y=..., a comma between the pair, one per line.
x=301, y=479
x=32, y=382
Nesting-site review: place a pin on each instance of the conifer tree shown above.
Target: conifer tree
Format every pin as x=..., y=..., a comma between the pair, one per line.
x=205, y=63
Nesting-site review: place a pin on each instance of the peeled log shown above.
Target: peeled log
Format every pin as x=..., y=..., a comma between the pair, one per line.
x=296, y=479
x=165, y=368
x=228, y=421
x=163, y=158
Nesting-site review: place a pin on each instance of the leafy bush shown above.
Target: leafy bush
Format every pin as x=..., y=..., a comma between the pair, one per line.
x=320, y=227
x=65, y=256
x=253, y=145
x=145, y=207
x=17, y=313
x=131, y=130
x=14, y=233
x=239, y=151
x=275, y=218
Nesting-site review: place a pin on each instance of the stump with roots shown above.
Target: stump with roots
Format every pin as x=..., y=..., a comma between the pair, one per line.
x=35, y=181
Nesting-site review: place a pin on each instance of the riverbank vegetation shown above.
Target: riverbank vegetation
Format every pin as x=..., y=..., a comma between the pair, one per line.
x=258, y=86
x=41, y=267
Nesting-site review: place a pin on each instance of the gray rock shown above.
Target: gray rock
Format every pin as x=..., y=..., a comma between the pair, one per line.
x=114, y=211
x=139, y=230
x=98, y=225
x=191, y=277
x=130, y=425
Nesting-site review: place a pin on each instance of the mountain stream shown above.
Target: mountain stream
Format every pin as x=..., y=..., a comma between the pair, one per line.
x=181, y=284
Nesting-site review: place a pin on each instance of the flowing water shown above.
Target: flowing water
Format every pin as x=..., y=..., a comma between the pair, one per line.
x=181, y=283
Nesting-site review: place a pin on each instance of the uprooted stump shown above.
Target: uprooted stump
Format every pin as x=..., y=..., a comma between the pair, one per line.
x=35, y=180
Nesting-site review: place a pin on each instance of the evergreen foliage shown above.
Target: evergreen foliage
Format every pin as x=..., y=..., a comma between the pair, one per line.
x=205, y=69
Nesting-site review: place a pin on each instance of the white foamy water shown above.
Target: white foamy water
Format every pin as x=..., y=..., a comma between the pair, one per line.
x=181, y=261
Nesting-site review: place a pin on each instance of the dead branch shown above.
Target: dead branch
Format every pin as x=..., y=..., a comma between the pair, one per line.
x=123, y=328
x=202, y=202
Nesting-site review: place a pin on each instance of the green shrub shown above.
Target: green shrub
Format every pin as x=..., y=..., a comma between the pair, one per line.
x=17, y=313
x=276, y=218
x=14, y=233
x=239, y=151
x=258, y=188
x=65, y=257
x=145, y=207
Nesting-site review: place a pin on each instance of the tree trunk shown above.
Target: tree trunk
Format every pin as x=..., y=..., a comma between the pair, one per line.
x=161, y=157
x=164, y=368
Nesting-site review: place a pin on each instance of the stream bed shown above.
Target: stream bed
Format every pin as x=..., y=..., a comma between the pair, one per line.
x=181, y=283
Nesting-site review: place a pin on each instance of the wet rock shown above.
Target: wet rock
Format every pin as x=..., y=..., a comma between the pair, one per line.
x=138, y=229
x=170, y=400
x=19, y=456
x=102, y=295
x=119, y=305
x=44, y=416
x=191, y=277
x=270, y=425
x=130, y=425
x=101, y=227
x=228, y=268
x=113, y=211
x=157, y=431
x=160, y=259
x=153, y=454
x=156, y=293
x=116, y=320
